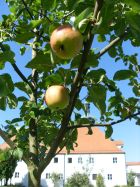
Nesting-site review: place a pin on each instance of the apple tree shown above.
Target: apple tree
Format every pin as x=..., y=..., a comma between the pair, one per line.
x=41, y=132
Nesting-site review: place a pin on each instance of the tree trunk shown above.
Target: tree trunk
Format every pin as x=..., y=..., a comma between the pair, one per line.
x=34, y=177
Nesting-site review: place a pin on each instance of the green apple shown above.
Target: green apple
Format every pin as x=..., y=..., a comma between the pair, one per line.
x=66, y=42
x=57, y=97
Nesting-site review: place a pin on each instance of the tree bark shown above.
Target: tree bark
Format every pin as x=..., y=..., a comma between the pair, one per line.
x=33, y=164
x=34, y=177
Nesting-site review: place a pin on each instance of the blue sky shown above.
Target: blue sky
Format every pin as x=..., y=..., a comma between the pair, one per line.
x=126, y=131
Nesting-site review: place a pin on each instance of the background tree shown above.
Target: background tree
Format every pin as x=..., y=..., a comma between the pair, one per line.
x=100, y=181
x=78, y=180
x=131, y=179
x=30, y=24
x=8, y=163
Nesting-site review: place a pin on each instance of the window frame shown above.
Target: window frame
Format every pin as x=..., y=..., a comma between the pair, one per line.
x=109, y=176
x=69, y=160
x=115, y=160
x=16, y=174
x=55, y=159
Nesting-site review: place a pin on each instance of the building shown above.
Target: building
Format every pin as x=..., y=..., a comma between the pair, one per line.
x=93, y=154
x=135, y=168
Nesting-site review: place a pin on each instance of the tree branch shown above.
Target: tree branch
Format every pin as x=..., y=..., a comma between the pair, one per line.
x=22, y=76
x=27, y=9
x=75, y=90
x=17, y=70
x=111, y=44
x=103, y=125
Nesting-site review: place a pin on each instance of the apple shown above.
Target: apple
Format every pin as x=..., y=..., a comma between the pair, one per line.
x=57, y=97
x=66, y=41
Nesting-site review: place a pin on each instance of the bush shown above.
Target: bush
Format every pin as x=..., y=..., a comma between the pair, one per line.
x=78, y=180
x=100, y=181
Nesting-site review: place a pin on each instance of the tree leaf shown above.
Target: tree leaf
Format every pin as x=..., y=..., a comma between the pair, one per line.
x=12, y=101
x=54, y=79
x=92, y=60
x=108, y=131
x=135, y=4
x=7, y=85
x=41, y=62
x=83, y=15
x=24, y=37
x=6, y=56
x=18, y=153
x=97, y=95
x=3, y=103
x=96, y=75
x=124, y=74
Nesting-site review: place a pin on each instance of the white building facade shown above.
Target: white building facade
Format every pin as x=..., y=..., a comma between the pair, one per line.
x=135, y=168
x=94, y=155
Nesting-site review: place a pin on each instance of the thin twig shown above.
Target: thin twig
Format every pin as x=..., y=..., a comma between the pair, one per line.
x=22, y=76
x=103, y=125
x=111, y=44
x=27, y=9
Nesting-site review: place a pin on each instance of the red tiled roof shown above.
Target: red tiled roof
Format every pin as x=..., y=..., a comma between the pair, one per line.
x=95, y=143
x=133, y=163
x=4, y=146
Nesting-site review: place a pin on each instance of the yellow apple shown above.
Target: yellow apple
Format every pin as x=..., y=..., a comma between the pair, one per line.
x=57, y=97
x=66, y=42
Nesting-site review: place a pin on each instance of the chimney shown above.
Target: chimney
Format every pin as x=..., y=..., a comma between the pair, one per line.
x=87, y=109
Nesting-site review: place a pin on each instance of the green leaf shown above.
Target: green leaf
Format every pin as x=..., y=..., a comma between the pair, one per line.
x=6, y=56
x=97, y=95
x=101, y=38
x=34, y=23
x=135, y=4
x=133, y=19
x=23, y=87
x=76, y=61
x=92, y=60
x=124, y=74
x=83, y=25
x=7, y=85
x=24, y=37
x=41, y=62
x=112, y=52
x=85, y=14
x=96, y=76
x=49, y=5
x=18, y=153
x=107, y=13
x=12, y=101
x=54, y=79
x=22, y=50
x=3, y=103
x=108, y=131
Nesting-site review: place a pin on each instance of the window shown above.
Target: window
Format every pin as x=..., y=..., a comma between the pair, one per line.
x=48, y=175
x=69, y=160
x=55, y=160
x=16, y=174
x=91, y=160
x=114, y=159
x=109, y=176
x=94, y=176
x=80, y=160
